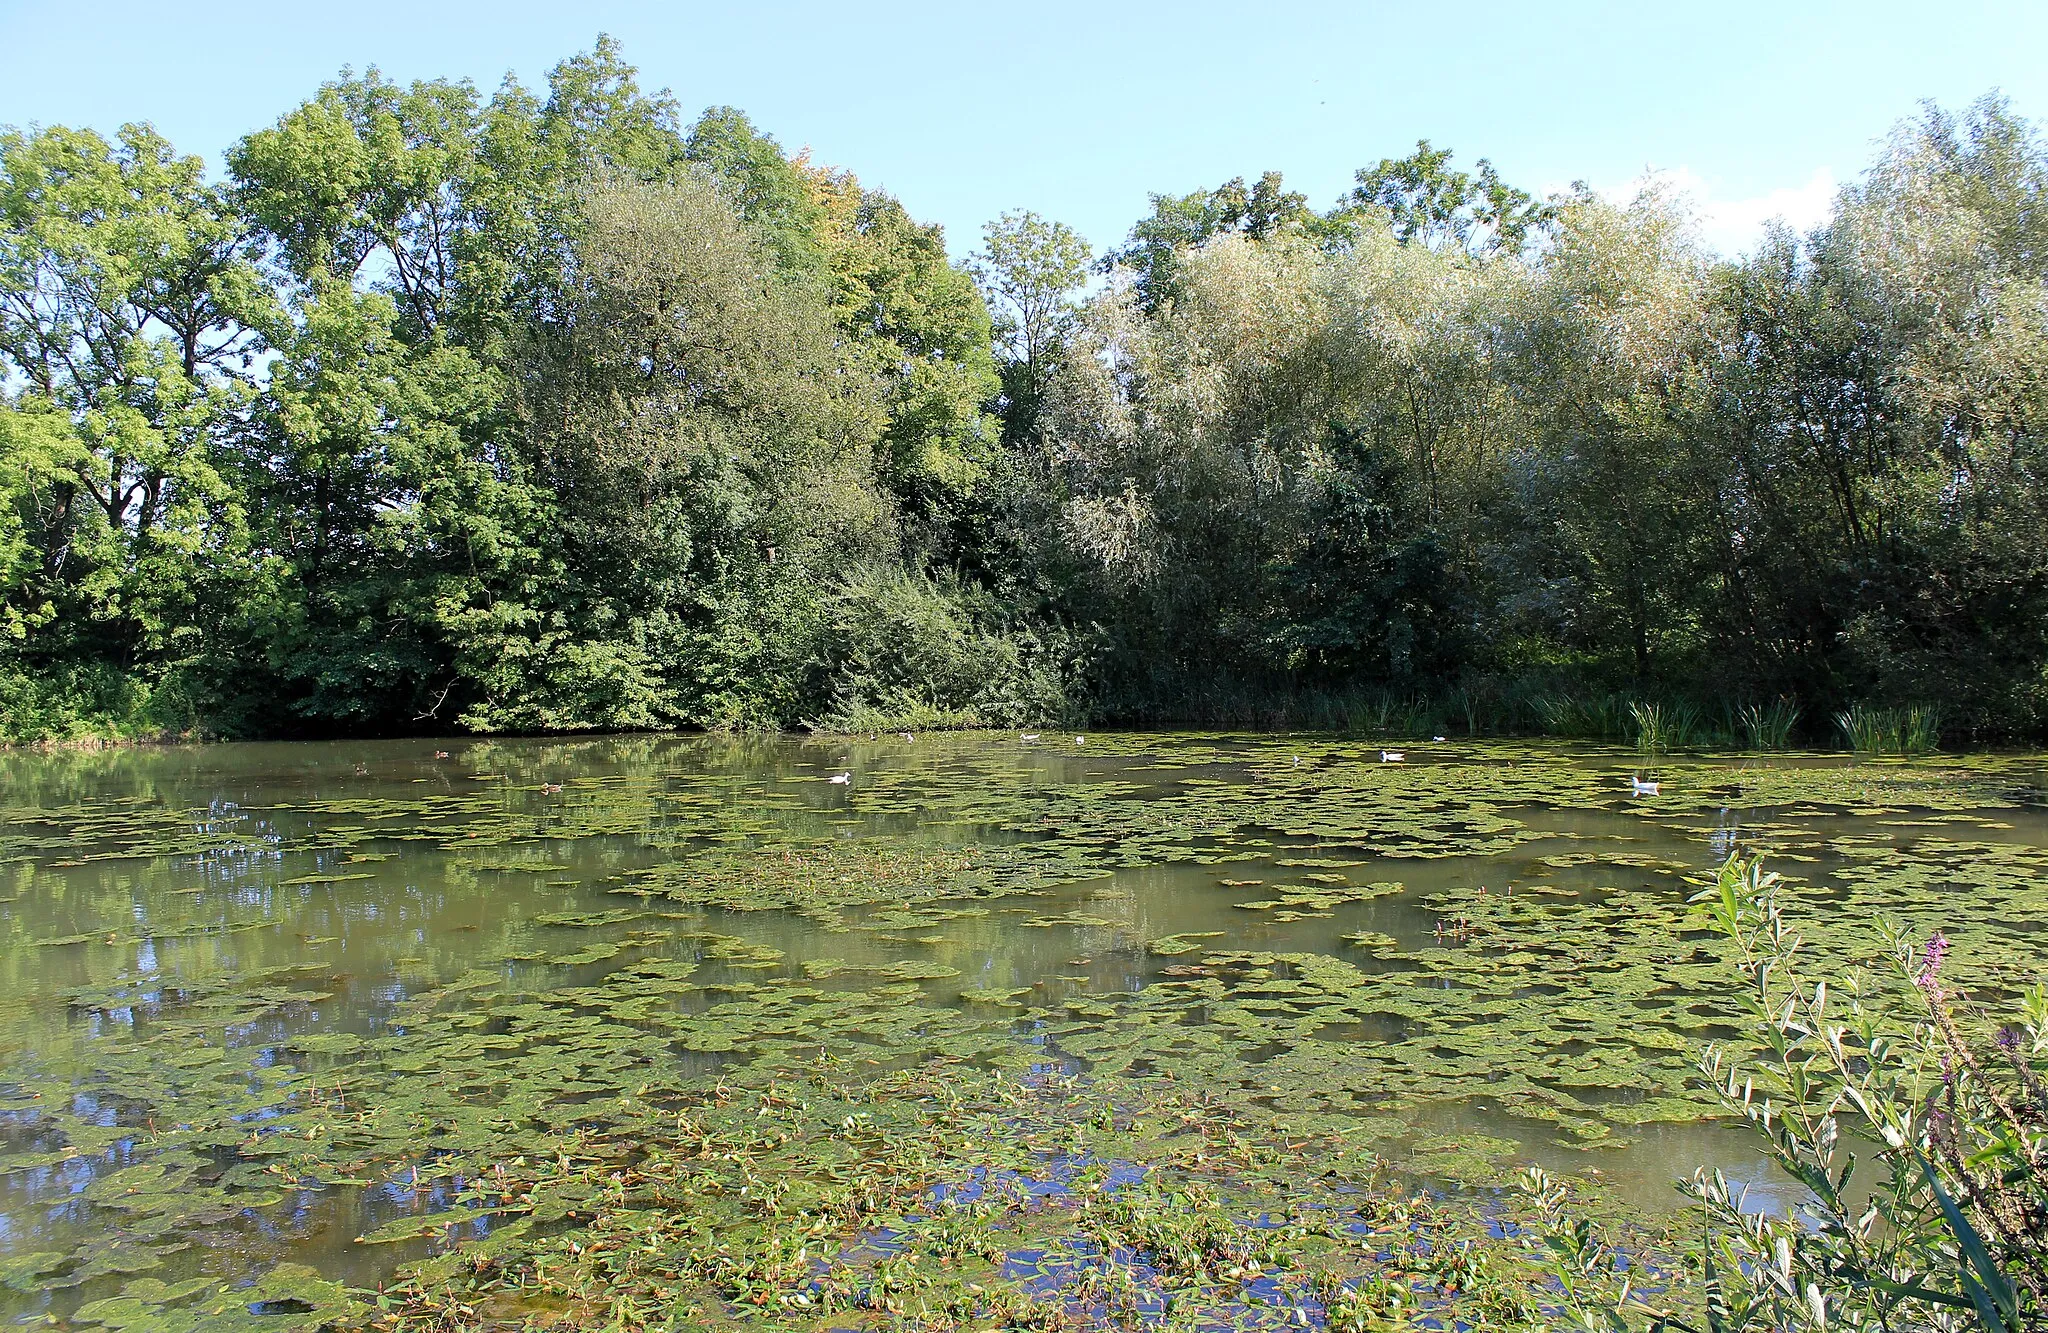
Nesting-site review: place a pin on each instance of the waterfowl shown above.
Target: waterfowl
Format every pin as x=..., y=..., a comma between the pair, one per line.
x=1392, y=756
x=843, y=779
x=1080, y=740
x=1639, y=787
x=1028, y=736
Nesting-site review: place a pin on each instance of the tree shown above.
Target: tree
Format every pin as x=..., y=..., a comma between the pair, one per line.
x=918, y=324
x=710, y=455
x=1179, y=223
x=1615, y=487
x=1430, y=204
x=1029, y=267
x=382, y=522
x=128, y=305
x=768, y=190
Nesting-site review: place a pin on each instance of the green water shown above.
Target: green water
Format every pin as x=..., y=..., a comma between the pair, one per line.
x=277, y=1003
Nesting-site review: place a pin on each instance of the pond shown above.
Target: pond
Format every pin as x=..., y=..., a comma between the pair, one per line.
x=277, y=1017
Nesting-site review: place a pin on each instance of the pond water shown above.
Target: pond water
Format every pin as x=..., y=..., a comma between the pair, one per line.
x=278, y=1002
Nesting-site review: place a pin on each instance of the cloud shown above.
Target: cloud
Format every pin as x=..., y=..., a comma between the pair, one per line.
x=1735, y=226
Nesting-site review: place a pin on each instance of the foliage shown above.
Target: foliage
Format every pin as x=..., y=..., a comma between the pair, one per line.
x=1430, y=204
x=1903, y=731
x=924, y=333
x=1180, y=224
x=918, y=653
x=1029, y=268
x=350, y=440
x=1949, y=1232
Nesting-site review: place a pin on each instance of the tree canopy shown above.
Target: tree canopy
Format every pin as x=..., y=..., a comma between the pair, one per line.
x=553, y=408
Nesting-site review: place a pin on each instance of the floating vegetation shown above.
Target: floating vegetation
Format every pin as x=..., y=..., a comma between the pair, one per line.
x=995, y=1036
x=1190, y=942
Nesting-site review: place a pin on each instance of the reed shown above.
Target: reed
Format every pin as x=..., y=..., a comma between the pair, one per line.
x=1913, y=730
x=1767, y=726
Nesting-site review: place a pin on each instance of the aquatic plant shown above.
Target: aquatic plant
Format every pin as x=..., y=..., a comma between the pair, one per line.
x=1953, y=1231
x=1897, y=731
x=1592, y=717
x=1767, y=726
x=1664, y=726
x=679, y=936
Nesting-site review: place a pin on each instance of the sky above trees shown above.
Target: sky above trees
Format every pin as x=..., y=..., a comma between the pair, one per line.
x=1079, y=110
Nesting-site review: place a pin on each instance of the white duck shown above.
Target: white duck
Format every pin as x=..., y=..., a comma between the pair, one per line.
x=842, y=779
x=1392, y=756
x=1028, y=736
x=1639, y=787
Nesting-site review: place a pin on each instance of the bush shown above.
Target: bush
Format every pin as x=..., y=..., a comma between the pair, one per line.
x=71, y=703
x=1954, y=1232
x=911, y=652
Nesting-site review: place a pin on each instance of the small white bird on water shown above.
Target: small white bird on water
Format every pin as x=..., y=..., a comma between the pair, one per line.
x=1028, y=736
x=1080, y=740
x=843, y=779
x=1392, y=756
x=906, y=736
x=1639, y=787
x=1438, y=739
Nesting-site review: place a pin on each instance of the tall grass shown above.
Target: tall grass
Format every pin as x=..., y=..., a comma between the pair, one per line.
x=1660, y=727
x=1767, y=726
x=1901, y=731
x=1591, y=717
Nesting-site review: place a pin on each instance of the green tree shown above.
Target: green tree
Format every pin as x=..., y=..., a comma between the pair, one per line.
x=765, y=187
x=1179, y=223
x=127, y=304
x=1611, y=343
x=711, y=460
x=385, y=525
x=919, y=326
x=1029, y=269
x=1431, y=204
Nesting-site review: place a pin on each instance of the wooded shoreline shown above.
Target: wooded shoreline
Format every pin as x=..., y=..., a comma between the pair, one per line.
x=555, y=411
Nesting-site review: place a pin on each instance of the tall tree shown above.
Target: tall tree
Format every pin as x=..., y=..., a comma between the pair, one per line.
x=918, y=324
x=711, y=456
x=128, y=305
x=1179, y=223
x=1429, y=203
x=1029, y=267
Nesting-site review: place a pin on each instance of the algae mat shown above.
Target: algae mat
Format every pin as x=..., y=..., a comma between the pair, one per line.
x=281, y=1020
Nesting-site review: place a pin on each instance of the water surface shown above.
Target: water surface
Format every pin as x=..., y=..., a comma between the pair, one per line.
x=264, y=1003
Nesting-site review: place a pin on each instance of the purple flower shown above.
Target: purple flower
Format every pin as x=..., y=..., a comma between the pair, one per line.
x=1931, y=959
x=2008, y=1040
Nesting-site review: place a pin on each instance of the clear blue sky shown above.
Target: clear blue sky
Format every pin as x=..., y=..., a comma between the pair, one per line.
x=1078, y=110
